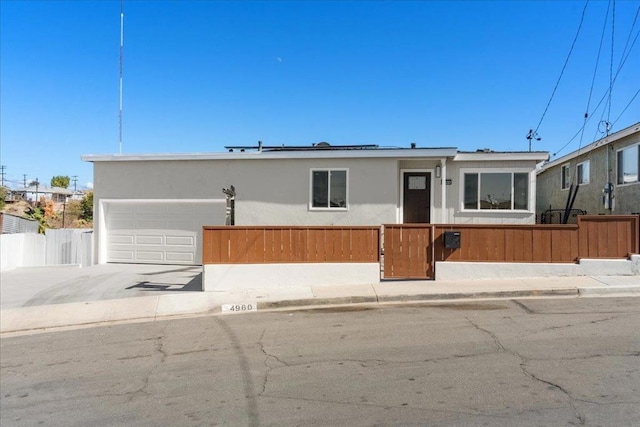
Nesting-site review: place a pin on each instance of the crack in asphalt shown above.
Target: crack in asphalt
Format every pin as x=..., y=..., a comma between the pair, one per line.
x=268, y=356
x=159, y=350
x=523, y=306
x=376, y=405
x=523, y=362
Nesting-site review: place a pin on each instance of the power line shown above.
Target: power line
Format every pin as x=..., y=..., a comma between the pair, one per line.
x=566, y=61
x=604, y=96
x=595, y=71
x=635, y=19
x=625, y=108
x=613, y=32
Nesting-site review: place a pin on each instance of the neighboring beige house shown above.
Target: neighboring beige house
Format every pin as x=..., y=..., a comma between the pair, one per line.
x=150, y=208
x=607, y=174
x=34, y=193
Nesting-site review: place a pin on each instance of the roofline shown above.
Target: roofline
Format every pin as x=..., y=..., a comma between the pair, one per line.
x=393, y=153
x=275, y=155
x=537, y=156
x=623, y=133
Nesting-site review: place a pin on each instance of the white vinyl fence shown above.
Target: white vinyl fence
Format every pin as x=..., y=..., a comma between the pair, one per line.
x=56, y=247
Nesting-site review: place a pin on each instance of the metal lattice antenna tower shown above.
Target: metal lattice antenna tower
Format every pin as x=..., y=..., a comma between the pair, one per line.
x=121, y=54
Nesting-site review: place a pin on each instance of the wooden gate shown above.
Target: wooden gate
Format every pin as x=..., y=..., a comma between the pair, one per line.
x=408, y=251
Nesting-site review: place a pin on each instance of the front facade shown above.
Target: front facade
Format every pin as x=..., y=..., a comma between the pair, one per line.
x=151, y=208
x=607, y=174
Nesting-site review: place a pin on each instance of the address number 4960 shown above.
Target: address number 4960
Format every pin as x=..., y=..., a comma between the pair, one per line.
x=238, y=308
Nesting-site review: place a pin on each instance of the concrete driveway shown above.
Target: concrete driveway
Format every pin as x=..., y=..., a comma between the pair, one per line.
x=25, y=287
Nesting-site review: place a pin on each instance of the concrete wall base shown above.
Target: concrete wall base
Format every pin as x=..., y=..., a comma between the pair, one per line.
x=224, y=277
x=446, y=270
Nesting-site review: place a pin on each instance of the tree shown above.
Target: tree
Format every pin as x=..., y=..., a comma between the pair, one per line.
x=3, y=196
x=38, y=215
x=86, y=204
x=60, y=181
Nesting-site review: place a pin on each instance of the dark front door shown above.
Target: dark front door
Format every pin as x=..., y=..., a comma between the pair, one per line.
x=416, y=197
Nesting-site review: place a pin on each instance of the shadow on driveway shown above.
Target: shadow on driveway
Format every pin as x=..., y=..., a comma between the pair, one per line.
x=67, y=284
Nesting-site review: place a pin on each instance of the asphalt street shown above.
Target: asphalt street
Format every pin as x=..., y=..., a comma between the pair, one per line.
x=499, y=363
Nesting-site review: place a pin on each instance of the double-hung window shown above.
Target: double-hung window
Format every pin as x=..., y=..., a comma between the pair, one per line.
x=583, y=172
x=628, y=164
x=566, y=176
x=496, y=190
x=329, y=188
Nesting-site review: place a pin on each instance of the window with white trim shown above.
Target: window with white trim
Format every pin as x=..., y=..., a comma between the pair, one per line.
x=566, y=176
x=329, y=188
x=496, y=190
x=583, y=172
x=628, y=164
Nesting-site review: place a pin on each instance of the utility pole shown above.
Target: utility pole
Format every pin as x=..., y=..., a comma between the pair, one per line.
x=75, y=180
x=2, y=168
x=24, y=180
x=37, y=184
x=531, y=136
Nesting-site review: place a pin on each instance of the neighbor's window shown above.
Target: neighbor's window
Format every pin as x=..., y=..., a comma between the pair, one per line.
x=496, y=190
x=583, y=172
x=628, y=164
x=566, y=177
x=329, y=188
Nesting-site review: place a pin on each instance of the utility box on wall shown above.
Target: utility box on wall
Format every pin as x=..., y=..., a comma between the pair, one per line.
x=452, y=239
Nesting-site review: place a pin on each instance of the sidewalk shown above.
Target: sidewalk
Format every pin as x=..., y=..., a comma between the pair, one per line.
x=184, y=304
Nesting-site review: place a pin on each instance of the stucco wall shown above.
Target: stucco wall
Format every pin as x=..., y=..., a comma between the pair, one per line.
x=602, y=161
x=274, y=192
x=268, y=192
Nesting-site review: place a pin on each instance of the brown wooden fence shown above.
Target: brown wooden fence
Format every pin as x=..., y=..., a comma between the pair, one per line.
x=410, y=249
x=258, y=245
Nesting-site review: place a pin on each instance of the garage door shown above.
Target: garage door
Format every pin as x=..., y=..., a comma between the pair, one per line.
x=159, y=232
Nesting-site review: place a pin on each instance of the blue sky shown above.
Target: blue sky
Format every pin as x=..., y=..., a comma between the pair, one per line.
x=199, y=75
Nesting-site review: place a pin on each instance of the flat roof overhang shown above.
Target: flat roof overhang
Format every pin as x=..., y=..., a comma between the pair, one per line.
x=537, y=156
x=408, y=153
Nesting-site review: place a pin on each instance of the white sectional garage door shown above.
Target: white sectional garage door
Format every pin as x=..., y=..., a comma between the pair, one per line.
x=159, y=232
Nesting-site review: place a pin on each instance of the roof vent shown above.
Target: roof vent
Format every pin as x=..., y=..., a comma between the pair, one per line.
x=484, y=150
x=322, y=144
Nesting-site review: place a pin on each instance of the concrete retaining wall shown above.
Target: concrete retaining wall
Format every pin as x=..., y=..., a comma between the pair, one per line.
x=21, y=250
x=223, y=277
x=57, y=247
x=498, y=270
x=69, y=246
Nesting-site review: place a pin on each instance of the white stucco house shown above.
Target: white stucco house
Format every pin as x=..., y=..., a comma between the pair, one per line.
x=150, y=208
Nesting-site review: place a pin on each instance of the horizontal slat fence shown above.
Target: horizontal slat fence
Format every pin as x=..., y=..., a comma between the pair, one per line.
x=284, y=244
x=408, y=247
x=509, y=243
x=604, y=236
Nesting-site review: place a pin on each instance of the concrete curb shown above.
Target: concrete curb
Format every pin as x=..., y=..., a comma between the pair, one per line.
x=610, y=290
x=143, y=309
x=480, y=295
